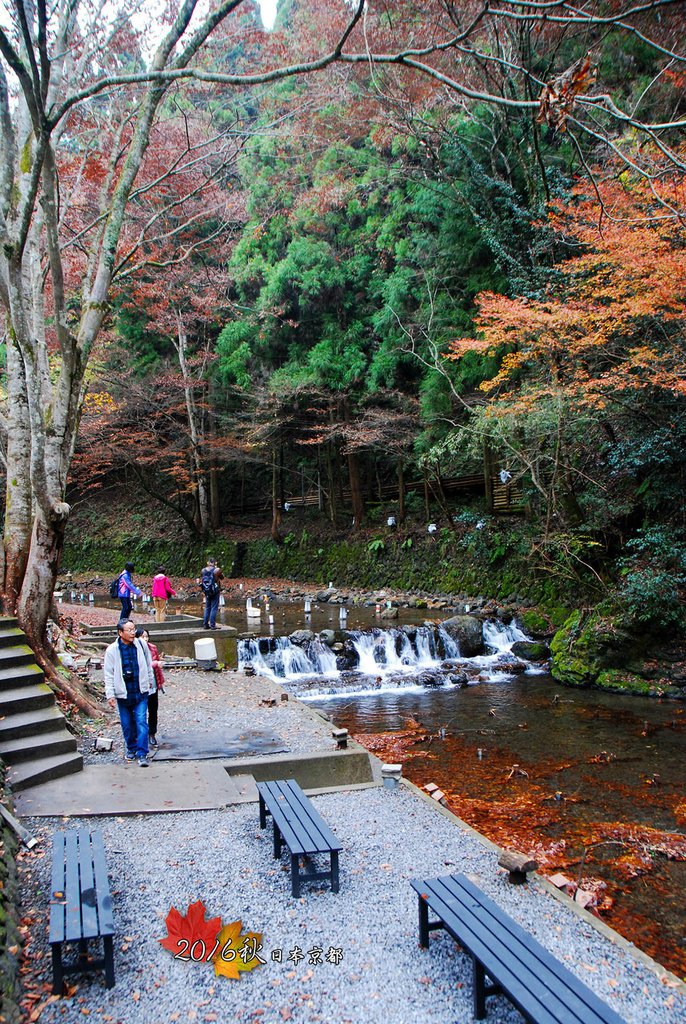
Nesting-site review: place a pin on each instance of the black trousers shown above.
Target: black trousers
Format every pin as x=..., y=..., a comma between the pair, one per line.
x=153, y=701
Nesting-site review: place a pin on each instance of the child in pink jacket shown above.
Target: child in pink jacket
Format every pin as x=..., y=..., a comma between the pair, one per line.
x=162, y=590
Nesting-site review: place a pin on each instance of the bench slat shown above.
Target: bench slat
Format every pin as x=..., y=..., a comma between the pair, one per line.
x=105, y=913
x=73, y=894
x=57, y=903
x=89, y=913
x=533, y=978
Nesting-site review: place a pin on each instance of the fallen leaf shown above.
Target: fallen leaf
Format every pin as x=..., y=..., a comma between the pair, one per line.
x=185, y=932
x=228, y=961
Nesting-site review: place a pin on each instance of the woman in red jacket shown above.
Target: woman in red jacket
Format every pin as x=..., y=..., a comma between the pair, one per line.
x=153, y=699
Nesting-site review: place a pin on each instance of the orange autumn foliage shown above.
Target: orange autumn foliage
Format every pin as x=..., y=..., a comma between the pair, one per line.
x=612, y=325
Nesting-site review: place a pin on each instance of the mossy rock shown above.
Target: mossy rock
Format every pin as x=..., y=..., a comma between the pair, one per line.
x=622, y=681
x=530, y=650
x=535, y=623
x=587, y=645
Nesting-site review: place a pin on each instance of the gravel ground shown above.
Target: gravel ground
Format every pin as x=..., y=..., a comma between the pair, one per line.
x=225, y=860
x=211, y=701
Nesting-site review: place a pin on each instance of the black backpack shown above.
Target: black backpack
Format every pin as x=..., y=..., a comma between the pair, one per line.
x=208, y=582
x=114, y=587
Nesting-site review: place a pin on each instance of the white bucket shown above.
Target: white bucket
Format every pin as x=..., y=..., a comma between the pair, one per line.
x=205, y=649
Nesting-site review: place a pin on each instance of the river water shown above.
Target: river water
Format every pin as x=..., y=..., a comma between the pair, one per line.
x=593, y=784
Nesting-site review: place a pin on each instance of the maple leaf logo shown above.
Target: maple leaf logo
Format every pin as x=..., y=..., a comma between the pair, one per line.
x=191, y=937
x=237, y=953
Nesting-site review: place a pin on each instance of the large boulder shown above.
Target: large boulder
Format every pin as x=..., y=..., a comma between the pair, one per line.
x=300, y=637
x=468, y=631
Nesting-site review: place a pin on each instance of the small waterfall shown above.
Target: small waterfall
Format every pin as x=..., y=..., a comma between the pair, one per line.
x=450, y=644
x=383, y=654
x=280, y=659
x=501, y=637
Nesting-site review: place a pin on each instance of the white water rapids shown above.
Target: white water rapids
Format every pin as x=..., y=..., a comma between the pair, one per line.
x=417, y=656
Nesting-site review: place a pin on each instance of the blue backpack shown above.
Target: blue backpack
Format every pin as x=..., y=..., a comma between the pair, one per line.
x=209, y=583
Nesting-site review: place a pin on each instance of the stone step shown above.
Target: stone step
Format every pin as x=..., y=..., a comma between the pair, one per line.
x=7, y=622
x=33, y=773
x=20, y=699
x=11, y=635
x=33, y=748
x=20, y=675
x=31, y=723
x=18, y=654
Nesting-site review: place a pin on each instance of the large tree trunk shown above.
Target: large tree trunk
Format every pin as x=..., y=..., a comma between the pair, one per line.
x=47, y=539
x=18, y=505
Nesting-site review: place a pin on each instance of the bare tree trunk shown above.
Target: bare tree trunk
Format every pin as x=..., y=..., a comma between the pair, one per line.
x=356, y=494
x=401, y=492
x=195, y=427
x=276, y=507
x=215, y=510
x=488, y=473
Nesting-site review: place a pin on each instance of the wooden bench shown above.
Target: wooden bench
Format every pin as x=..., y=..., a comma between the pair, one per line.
x=80, y=903
x=517, y=965
x=299, y=826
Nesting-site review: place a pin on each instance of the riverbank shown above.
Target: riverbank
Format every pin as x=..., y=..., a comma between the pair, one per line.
x=224, y=859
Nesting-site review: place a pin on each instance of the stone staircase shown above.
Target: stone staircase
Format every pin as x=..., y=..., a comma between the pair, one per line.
x=35, y=743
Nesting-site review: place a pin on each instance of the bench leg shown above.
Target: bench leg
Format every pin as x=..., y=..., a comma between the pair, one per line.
x=278, y=843
x=109, y=960
x=263, y=812
x=295, y=875
x=479, y=990
x=83, y=951
x=423, y=923
x=334, y=871
x=57, y=974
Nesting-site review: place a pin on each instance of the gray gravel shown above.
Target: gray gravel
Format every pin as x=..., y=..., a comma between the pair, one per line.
x=225, y=860
x=210, y=701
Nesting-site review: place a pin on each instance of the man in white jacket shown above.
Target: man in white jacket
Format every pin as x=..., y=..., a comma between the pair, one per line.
x=129, y=678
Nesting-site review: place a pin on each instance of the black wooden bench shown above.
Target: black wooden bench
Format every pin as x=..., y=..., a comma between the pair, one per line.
x=300, y=827
x=517, y=965
x=80, y=904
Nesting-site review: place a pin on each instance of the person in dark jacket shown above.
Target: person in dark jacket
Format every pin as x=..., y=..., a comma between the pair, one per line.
x=211, y=587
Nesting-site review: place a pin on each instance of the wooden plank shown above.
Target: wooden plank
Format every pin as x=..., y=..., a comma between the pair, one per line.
x=58, y=895
x=89, y=914
x=73, y=889
x=531, y=976
x=102, y=885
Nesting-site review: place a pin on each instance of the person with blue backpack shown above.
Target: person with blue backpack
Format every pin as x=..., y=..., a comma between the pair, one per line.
x=126, y=588
x=210, y=585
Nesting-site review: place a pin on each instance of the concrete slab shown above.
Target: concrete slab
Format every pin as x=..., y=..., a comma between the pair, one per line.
x=190, y=745
x=128, y=789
